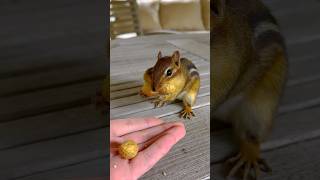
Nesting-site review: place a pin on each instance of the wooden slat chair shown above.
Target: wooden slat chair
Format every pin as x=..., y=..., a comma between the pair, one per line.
x=124, y=18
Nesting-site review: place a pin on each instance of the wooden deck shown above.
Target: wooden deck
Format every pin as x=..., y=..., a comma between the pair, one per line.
x=190, y=158
x=52, y=62
x=293, y=147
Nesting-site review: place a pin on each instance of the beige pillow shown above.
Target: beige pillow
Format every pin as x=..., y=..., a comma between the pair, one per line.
x=181, y=15
x=149, y=15
x=205, y=7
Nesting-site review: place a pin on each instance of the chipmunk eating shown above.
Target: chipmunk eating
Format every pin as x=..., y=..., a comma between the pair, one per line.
x=248, y=74
x=172, y=78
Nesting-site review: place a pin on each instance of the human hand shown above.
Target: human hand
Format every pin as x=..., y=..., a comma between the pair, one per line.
x=154, y=137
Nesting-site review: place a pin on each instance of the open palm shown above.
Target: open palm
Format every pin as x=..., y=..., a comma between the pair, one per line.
x=154, y=137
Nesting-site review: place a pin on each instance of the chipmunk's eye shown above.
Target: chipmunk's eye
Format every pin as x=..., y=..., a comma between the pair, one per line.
x=169, y=72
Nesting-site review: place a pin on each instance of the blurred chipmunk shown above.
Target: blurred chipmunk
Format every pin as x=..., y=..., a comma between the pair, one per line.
x=248, y=74
x=172, y=78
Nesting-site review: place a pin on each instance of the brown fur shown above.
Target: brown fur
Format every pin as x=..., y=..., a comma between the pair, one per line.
x=249, y=72
x=181, y=84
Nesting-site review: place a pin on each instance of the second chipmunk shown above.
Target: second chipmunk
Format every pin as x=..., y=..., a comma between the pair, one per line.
x=248, y=74
x=172, y=78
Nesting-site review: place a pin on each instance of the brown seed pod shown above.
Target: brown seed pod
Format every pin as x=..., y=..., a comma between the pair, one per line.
x=128, y=149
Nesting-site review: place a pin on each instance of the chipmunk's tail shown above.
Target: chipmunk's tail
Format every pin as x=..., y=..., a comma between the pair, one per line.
x=267, y=38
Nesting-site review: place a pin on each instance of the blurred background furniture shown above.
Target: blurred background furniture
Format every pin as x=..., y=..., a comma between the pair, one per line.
x=124, y=18
x=130, y=18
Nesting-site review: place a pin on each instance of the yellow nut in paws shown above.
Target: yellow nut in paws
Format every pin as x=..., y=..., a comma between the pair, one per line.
x=128, y=149
x=169, y=88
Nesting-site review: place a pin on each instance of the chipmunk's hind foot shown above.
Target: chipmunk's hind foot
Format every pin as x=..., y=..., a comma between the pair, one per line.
x=250, y=164
x=187, y=113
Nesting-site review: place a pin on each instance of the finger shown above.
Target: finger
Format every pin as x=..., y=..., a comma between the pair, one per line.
x=152, y=154
x=146, y=134
x=121, y=127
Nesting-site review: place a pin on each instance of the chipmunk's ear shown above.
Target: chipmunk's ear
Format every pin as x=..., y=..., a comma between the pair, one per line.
x=159, y=55
x=176, y=58
x=218, y=7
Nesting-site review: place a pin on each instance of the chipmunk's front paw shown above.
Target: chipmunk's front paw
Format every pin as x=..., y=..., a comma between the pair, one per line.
x=142, y=94
x=147, y=94
x=159, y=101
x=255, y=165
x=186, y=113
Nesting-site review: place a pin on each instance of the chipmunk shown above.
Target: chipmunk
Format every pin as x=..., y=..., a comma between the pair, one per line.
x=248, y=74
x=172, y=78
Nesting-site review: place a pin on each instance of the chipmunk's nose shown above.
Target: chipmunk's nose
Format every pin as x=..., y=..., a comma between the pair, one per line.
x=153, y=89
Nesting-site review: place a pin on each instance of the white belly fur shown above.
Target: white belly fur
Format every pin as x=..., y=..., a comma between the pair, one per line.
x=181, y=95
x=224, y=109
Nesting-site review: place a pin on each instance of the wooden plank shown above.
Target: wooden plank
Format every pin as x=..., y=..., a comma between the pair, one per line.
x=143, y=48
x=123, y=86
x=34, y=103
x=93, y=170
x=149, y=111
x=189, y=158
x=303, y=71
x=300, y=96
x=190, y=45
x=36, y=26
x=302, y=42
x=50, y=126
x=56, y=53
x=285, y=6
x=304, y=50
x=51, y=78
x=57, y=153
x=34, y=6
x=140, y=53
x=295, y=31
x=297, y=161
